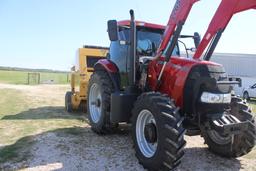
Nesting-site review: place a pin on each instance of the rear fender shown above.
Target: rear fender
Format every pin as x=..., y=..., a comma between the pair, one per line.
x=112, y=70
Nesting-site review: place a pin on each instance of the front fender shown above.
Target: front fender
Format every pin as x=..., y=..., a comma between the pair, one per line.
x=106, y=64
x=112, y=70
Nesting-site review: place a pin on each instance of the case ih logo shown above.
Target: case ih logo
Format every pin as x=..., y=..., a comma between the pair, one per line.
x=176, y=8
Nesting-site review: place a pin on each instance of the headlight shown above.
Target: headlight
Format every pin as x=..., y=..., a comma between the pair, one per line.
x=215, y=98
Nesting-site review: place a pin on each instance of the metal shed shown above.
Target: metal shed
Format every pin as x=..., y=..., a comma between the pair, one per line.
x=238, y=65
x=241, y=65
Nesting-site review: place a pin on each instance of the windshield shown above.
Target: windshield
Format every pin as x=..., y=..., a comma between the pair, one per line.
x=176, y=50
x=153, y=35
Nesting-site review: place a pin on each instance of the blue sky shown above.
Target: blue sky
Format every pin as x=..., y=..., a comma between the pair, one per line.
x=47, y=33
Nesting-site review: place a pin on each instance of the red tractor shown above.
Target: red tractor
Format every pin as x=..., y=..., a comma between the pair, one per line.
x=145, y=82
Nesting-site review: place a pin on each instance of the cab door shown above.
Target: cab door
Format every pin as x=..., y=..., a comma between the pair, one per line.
x=119, y=55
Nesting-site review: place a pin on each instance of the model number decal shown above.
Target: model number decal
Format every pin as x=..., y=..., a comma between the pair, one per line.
x=176, y=8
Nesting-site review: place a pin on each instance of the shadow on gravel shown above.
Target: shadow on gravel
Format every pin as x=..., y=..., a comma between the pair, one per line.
x=79, y=148
x=47, y=112
x=201, y=159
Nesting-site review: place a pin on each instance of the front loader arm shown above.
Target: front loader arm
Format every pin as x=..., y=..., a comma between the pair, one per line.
x=220, y=20
x=179, y=15
x=172, y=32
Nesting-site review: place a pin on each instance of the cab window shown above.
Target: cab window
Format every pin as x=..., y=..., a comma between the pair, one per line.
x=176, y=50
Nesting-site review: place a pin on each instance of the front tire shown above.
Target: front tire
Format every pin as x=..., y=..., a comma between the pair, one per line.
x=157, y=132
x=98, y=104
x=238, y=145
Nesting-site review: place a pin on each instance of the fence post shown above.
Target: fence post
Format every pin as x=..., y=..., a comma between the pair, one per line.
x=28, y=78
x=38, y=82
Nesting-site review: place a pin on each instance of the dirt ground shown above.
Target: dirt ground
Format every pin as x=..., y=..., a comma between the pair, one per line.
x=60, y=141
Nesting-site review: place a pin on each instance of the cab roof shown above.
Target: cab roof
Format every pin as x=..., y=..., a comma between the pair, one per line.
x=141, y=23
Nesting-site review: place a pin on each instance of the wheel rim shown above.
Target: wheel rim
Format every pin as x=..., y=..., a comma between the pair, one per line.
x=95, y=100
x=147, y=149
x=218, y=138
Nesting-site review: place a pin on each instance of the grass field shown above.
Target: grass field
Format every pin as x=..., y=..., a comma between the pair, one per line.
x=253, y=105
x=24, y=116
x=21, y=77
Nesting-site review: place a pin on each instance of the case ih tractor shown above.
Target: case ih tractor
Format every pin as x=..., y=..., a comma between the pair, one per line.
x=145, y=82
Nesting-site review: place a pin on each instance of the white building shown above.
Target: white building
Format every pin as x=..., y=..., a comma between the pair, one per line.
x=238, y=65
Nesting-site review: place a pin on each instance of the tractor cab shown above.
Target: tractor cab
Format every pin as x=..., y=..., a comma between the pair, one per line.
x=148, y=38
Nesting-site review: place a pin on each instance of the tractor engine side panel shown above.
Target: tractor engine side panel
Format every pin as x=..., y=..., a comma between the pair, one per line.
x=174, y=78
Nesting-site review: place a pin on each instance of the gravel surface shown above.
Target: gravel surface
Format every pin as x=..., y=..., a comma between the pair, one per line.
x=86, y=152
x=114, y=152
x=78, y=148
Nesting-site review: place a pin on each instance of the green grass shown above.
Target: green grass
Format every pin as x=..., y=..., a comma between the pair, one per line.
x=252, y=104
x=13, y=77
x=59, y=78
x=23, y=118
x=21, y=77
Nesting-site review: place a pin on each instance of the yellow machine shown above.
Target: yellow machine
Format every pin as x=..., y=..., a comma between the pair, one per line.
x=80, y=75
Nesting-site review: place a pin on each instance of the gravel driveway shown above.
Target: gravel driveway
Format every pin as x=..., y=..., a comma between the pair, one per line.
x=78, y=148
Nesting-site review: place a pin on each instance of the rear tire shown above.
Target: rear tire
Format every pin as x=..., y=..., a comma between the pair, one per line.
x=68, y=103
x=243, y=142
x=164, y=149
x=83, y=106
x=98, y=103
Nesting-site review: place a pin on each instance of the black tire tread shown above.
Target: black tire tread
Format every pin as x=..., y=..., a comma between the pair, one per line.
x=107, y=88
x=171, y=128
x=244, y=142
x=68, y=103
x=82, y=106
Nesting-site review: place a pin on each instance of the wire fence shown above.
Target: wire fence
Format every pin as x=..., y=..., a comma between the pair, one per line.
x=22, y=77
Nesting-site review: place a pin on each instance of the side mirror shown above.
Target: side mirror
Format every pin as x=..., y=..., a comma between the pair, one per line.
x=197, y=39
x=112, y=30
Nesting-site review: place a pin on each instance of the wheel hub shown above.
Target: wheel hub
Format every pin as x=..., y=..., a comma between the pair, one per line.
x=96, y=103
x=146, y=133
x=150, y=133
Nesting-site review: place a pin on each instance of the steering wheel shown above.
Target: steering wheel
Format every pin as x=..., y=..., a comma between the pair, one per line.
x=145, y=47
